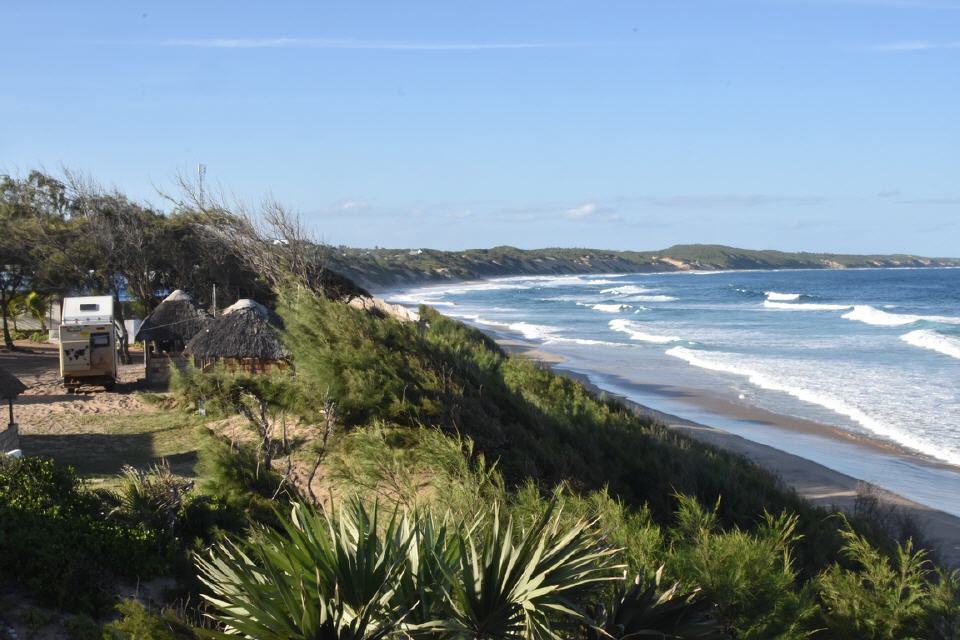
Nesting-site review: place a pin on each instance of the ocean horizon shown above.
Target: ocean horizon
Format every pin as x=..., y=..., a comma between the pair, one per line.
x=857, y=369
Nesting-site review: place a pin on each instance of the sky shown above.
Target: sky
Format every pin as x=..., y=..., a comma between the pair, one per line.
x=819, y=125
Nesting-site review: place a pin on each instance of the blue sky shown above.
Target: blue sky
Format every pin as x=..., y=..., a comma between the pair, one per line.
x=828, y=125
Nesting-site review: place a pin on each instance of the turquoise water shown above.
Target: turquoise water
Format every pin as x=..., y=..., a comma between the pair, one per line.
x=874, y=352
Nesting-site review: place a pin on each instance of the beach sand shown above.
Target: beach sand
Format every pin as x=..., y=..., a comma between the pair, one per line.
x=815, y=482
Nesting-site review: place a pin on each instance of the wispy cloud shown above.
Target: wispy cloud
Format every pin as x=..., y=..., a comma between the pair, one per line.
x=913, y=45
x=950, y=200
x=348, y=43
x=581, y=212
x=725, y=201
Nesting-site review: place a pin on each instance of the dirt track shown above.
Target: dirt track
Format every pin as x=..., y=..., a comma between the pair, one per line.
x=47, y=408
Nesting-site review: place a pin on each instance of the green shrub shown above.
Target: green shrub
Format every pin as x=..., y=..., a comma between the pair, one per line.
x=56, y=542
x=748, y=574
x=139, y=623
x=881, y=598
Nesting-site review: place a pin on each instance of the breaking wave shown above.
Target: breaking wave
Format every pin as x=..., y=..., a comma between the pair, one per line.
x=657, y=298
x=781, y=297
x=715, y=361
x=632, y=329
x=626, y=289
x=611, y=308
x=871, y=315
x=930, y=339
x=805, y=306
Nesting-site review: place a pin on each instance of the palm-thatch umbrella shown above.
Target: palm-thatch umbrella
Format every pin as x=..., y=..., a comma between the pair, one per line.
x=175, y=320
x=10, y=388
x=246, y=331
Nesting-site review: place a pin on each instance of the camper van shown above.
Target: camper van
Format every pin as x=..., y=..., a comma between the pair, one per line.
x=88, y=342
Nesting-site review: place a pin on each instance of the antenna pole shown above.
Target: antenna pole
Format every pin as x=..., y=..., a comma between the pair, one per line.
x=201, y=173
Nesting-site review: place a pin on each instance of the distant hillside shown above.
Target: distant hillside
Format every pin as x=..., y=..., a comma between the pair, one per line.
x=377, y=268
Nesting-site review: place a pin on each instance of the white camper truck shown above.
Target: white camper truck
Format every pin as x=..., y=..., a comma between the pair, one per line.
x=88, y=342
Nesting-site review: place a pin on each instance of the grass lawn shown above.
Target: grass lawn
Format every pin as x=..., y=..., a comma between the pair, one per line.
x=103, y=444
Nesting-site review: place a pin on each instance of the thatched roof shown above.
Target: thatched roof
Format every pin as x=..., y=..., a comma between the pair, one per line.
x=176, y=319
x=246, y=329
x=10, y=385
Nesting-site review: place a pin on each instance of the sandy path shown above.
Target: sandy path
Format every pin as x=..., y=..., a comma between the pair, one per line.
x=46, y=408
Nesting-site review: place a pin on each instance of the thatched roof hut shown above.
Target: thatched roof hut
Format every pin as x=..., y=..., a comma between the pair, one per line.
x=173, y=322
x=245, y=334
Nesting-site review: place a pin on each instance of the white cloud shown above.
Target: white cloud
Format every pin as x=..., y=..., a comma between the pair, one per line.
x=583, y=211
x=724, y=200
x=352, y=205
x=349, y=43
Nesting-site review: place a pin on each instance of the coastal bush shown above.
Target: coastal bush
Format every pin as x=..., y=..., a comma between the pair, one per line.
x=748, y=574
x=350, y=574
x=532, y=422
x=56, y=543
x=423, y=410
x=880, y=598
x=137, y=622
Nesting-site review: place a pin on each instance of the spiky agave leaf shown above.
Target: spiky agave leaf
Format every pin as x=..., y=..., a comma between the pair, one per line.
x=514, y=584
x=431, y=554
x=643, y=612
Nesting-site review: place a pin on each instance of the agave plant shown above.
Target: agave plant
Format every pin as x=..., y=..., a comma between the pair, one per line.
x=348, y=575
x=524, y=584
x=644, y=612
x=329, y=577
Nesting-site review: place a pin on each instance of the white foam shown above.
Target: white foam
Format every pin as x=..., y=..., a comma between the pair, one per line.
x=610, y=308
x=526, y=329
x=632, y=329
x=782, y=297
x=805, y=306
x=650, y=299
x=626, y=289
x=584, y=341
x=717, y=361
x=871, y=315
x=929, y=339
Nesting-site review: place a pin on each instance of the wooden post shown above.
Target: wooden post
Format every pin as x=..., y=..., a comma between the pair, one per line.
x=10, y=401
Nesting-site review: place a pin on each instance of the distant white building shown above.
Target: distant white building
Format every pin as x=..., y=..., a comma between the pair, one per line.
x=415, y=252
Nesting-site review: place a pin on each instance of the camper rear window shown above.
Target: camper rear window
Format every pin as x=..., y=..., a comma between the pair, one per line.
x=100, y=339
x=90, y=306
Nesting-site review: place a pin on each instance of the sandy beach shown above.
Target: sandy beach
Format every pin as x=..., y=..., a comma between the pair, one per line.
x=815, y=482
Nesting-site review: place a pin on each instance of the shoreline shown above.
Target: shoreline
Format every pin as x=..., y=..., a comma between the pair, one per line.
x=818, y=484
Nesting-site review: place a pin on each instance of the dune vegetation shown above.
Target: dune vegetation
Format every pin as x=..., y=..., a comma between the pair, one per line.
x=404, y=479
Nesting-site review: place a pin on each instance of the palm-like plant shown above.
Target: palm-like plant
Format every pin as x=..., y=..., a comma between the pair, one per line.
x=348, y=575
x=643, y=612
x=518, y=584
x=321, y=577
x=152, y=498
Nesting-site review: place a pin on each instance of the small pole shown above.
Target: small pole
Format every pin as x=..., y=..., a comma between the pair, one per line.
x=10, y=405
x=214, y=299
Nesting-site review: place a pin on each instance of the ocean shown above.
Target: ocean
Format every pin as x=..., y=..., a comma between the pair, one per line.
x=871, y=353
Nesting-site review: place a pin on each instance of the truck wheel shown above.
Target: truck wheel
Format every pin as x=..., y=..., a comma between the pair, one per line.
x=109, y=386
